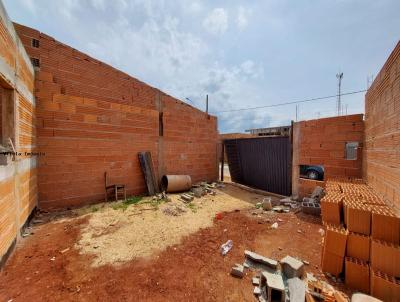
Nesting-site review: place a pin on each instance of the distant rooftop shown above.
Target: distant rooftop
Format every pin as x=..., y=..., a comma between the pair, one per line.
x=271, y=131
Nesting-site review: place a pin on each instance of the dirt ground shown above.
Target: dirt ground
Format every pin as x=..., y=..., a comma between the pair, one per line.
x=188, y=269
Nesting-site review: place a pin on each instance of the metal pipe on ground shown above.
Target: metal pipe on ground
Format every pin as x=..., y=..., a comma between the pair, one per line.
x=176, y=183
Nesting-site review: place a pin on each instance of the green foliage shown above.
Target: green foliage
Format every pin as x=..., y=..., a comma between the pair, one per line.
x=192, y=206
x=126, y=203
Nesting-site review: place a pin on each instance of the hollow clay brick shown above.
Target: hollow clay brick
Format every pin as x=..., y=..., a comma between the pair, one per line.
x=358, y=246
x=384, y=287
x=385, y=257
x=357, y=274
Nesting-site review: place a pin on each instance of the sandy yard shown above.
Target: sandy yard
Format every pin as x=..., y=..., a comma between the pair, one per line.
x=143, y=230
x=145, y=253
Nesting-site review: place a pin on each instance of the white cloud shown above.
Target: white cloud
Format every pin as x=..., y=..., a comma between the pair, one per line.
x=243, y=16
x=98, y=4
x=216, y=22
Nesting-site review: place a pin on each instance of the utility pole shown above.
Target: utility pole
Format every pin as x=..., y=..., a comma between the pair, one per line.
x=297, y=112
x=339, y=76
x=207, y=103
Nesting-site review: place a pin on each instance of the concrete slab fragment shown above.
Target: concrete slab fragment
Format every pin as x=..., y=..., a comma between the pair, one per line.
x=292, y=267
x=237, y=271
x=297, y=290
x=261, y=259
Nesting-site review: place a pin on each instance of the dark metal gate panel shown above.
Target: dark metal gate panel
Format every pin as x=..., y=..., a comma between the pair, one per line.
x=264, y=163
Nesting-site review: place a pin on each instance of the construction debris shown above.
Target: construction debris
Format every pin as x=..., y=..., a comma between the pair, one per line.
x=162, y=196
x=257, y=291
x=266, y=204
x=292, y=267
x=237, y=271
x=261, y=259
x=173, y=210
x=273, y=285
x=297, y=290
x=186, y=198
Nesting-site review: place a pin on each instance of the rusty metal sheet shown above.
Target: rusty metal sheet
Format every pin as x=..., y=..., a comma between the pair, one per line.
x=264, y=163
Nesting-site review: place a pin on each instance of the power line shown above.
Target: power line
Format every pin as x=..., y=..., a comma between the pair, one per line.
x=292, y=102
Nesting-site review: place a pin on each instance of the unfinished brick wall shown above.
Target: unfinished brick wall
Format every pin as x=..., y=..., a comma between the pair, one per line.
x=18, y=180
x=323, y=142
x=92, y=118
x=382, y=130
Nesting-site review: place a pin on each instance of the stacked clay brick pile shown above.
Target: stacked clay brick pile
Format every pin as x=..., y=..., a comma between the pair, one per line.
x=362, y=239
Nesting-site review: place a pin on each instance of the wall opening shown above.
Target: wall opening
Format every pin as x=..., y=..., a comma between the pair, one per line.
x=7, y=123
x=160, y=124
x=314, y=172
x=35, y=62
x=35, y=43
x=351, y=150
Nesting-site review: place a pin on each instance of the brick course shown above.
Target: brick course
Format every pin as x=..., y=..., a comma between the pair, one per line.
x=18, y=181
x=93, y=118
x=323, y=142
x=382, y=130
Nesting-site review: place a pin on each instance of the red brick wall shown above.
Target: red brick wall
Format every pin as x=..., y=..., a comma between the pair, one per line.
x=322, y=142
x=382, y=130
x=18, y=184
x=92, y=118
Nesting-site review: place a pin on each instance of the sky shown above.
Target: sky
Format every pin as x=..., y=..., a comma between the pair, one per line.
x=241, y=53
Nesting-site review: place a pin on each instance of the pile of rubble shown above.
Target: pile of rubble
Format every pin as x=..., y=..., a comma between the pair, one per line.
x=200, y=190
x=285, y=280
x=311, y=205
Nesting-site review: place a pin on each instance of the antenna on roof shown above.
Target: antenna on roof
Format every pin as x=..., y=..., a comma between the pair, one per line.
x=339, y=76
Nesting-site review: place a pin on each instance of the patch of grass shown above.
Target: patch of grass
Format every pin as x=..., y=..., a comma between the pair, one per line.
x=126, y=203
x=94, y=209
x=192, y=207
x=133, y=200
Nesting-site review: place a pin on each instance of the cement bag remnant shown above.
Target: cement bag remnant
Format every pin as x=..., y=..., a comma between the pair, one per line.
x=176, y=183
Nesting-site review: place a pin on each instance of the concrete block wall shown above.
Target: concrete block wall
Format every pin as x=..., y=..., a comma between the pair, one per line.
x=382, y=130
x=18, y=174
x=93, y=118
x=322, y=142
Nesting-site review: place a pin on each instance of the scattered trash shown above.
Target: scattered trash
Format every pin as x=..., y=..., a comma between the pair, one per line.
x=266, y=204
x=280, y=220
x=186, y=198
x=173, y=210
x=198, y=191
x=218, y=216
x=258, y=205
x=321, y=231
x=52, y=258
x=226, y=247
x=64, y=250
x=281, y=209
x=162, y=196
x=255, y=281
x=318, y=193
x=299, y=231
x=257, y=291
x=274, y=225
